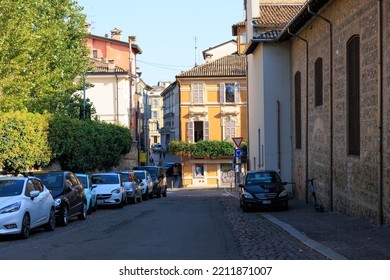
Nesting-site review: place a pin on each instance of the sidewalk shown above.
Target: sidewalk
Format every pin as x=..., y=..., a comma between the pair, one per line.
x=333, y=234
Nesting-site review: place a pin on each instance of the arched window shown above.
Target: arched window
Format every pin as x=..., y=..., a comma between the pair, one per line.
x=318, y=80
x=353, y=95
x=298, y=110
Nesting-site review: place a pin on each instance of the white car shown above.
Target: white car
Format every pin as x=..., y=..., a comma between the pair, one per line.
x=146, y=183
x=25, y=203
x=109, y=189
x=132, y=187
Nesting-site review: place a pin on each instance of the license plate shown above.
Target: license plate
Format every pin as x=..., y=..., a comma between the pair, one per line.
x=266, y=201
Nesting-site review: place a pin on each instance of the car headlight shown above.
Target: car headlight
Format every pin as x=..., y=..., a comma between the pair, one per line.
x=247, y=195
x=283, y=193
x=57, y=202
x=117, y=191
x=11, y=208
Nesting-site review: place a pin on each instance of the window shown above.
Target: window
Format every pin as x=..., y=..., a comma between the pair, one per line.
x=230, y=129
x=197, y=131
x=154, y=114
x=353, y=95
x=229, y=92
x=95, y=54
x=199, y=170
x=318, y=80
x=154, y=126
x=154, y=102
x=197, y=93
x=298, y=118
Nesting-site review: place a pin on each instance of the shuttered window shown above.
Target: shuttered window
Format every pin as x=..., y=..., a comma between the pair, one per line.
x=318, y=79
x=229, y=92
x=206, y=130
x=298, y=110
x=197, y=93
x=230, y=130
x=190, y=132
x=353, y=95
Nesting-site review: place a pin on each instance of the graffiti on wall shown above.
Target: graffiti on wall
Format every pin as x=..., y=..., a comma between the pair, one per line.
x=227, y=174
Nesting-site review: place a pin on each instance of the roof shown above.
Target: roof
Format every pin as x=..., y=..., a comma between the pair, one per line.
x=134, y=46
x=276, y=14
x=100, y=66
x=302, y=18
x=236, y=26
x=228, y=66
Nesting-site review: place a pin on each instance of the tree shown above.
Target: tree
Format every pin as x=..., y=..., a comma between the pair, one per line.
x=42, y=50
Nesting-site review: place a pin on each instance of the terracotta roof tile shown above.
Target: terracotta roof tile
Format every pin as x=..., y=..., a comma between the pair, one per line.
x=227, y=66
x=103, y=67
x=277, y=14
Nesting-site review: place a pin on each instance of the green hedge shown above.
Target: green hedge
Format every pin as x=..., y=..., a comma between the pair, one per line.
x=87, y=145
x=203, y=148
x=24, y=138
x=29, y=140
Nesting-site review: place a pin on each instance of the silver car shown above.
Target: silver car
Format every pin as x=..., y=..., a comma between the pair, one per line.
x=109, y=189
x=132, y=186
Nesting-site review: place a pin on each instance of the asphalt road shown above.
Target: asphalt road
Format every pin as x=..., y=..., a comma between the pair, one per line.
x=184, y=225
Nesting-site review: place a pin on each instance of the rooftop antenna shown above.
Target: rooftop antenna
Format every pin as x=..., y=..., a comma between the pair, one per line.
x=196, y=49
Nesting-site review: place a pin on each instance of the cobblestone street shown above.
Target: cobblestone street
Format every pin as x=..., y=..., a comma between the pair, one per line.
x=260, y=239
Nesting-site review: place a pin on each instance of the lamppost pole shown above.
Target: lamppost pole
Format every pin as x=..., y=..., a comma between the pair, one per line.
x=84, y=99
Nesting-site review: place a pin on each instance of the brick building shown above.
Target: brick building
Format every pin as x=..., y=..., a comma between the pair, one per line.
x=340, y=62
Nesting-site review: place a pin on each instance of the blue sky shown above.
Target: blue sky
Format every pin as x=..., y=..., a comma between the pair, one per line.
x=166, y=30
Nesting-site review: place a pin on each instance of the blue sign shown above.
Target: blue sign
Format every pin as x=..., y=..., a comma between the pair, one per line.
x=237, y=153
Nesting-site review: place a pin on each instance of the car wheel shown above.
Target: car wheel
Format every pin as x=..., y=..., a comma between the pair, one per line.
x=165, y=192
x=151, y=194
x=84, y=213
x=51, y=224
x=64, y=216
x=139, y=199
x=25, y=232
x=245, y=207
x=159, y=193
x=89, y=212
x=145, y=196
x=94, y=208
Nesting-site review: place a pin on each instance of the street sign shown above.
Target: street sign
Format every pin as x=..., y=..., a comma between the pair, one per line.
x=238, y=153
x=237, y=141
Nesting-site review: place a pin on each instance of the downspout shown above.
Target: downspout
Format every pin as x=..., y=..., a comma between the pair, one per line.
x=306, y=113
x=330, y=101
x=278, y=135
x=117, y=99
x=380, y=111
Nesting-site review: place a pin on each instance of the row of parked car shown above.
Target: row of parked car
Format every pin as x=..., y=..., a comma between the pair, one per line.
x=52, y=198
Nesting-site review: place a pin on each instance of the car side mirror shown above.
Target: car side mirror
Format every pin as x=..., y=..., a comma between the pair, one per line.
x=241, y=185
x=34, y=194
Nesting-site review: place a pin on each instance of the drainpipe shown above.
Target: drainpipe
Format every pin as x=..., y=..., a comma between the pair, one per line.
x=330, y=101
x=380, y=111
x=306, y=113
x=278, y=135
x=117, y=97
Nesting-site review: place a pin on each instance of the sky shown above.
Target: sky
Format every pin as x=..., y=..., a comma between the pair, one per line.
x=172, y=33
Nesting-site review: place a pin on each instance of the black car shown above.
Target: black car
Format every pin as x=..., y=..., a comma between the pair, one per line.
x=68, y=193
x=159, y=179
x=263, y=189
x=172, y=168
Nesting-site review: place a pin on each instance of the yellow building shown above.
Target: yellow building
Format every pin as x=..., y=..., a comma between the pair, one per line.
x=213, y=106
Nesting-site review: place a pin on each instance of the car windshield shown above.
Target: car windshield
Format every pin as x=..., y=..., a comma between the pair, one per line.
x=52, y=181
x=83, y=180
x=262, y=178
x=11, y=187
x=153, y=171
x=105, y=179
x=140, y=175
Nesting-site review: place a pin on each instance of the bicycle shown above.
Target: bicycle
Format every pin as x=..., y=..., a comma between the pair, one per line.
x=318, y=207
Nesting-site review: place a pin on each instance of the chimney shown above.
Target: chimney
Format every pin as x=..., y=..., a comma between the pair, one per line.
x=116, y=34
x=87, y=27
x=111, y=65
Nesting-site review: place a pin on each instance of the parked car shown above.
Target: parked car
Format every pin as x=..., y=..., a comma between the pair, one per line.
x=132, y=186
x=146, y=183
x=158, y=177
x=157, y=148
x=68, y=194
x=109, y=189
x=263, y=189
x=89, y=192
x=25, y=203
x=172, y=168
